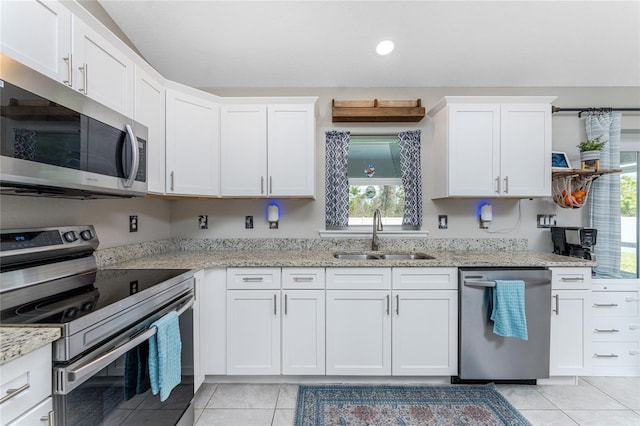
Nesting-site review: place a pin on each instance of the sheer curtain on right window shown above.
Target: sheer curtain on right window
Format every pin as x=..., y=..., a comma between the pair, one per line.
x=614, y=198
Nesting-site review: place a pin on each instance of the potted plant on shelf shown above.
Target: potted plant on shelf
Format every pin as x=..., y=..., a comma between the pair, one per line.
x=590, y=152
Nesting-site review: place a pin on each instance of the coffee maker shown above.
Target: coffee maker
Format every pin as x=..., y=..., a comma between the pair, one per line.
x=574, y=241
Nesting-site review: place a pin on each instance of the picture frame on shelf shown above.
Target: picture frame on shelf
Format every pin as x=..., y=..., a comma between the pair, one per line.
x=560, y=161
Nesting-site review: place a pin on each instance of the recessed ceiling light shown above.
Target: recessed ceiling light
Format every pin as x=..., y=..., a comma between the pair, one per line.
x=384, y=47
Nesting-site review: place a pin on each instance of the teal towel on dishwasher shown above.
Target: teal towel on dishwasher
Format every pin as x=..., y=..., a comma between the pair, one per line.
x=164, y=355
x=508, y=314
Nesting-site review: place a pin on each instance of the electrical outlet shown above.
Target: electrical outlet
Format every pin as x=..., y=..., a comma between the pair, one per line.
x=133, y=223
x=203, y=221
x=443, y=221
x=546, y=220
x=248, y=222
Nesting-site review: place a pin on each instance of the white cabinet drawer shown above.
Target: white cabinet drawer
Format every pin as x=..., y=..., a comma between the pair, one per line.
x=425, y=278
x=571, y=278
x=253, y=278
x=359, y=278
x=303, y=278
x=615, y=303
x=609, y=329
x=616, y=354
x=28, y=378
x=42, y=414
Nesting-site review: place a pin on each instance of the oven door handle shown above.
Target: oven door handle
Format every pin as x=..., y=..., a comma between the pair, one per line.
x=107, y=358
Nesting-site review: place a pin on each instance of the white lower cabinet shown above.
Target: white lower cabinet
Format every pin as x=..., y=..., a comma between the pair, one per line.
x=198, y=369
x=424, y=333
x=411, y=330
x=359, y=332
x=26, y=388
x=253, y=332
x=272, y=331
x=615, y=331
x=425, y=322
x=570, y=349
x=303, y=326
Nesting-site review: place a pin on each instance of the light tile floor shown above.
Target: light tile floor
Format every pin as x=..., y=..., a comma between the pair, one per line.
x=601, y=401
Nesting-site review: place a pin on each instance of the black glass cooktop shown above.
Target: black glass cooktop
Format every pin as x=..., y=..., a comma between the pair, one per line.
x=98, y=290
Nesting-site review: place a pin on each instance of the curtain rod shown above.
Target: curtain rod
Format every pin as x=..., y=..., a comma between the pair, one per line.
x=590, y=109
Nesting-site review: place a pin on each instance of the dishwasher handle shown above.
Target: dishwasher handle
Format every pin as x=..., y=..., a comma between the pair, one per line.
x=490, y=284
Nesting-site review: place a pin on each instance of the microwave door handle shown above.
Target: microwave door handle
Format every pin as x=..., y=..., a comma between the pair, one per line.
x=135, y=156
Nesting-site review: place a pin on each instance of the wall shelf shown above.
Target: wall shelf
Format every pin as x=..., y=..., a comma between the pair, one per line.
x=571, y=187
x=377, y=111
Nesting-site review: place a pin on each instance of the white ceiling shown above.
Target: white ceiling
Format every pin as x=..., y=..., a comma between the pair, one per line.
x=308, y=43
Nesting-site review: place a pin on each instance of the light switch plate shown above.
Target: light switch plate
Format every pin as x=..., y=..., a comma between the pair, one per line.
x=133, y=223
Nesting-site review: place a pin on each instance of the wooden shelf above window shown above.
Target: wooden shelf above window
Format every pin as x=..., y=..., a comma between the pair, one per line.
x=377, y=111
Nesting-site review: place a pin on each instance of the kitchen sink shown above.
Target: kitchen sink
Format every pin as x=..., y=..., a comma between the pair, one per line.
x=405, y=256
x=356, y=256
x=387, y=256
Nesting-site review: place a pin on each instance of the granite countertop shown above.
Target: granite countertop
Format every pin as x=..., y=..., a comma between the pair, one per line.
x=18, y=341
x=313, y=258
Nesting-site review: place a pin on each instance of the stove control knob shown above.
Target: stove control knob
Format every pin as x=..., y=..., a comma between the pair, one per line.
x=86, y=235
x=70, y=236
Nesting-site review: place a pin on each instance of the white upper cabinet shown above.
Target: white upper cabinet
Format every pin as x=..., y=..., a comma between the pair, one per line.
x=193, y=144
x=291, y=150
x=150, y=111
x=48, y=37
x=268, y=150
x=486, y=146
x=38, y=34
x=101, y=71
x=243, y=150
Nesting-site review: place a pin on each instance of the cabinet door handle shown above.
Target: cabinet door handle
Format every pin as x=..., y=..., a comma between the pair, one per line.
x=285, y=304
x=397, y=305
x=388, y=304
x=557, y=309
x=572, y=279
x=605, y=305
x=605, y=356
x=172, y=180
x=302, y=279
x=634, y=327
x=85, y=79
x=252, y=279
x=69, y=61
x=14, y=392
x=611, y=330
x=632, y=299
x=275, y=305
x=270, y=184
x=498, y=185
x=632, y=352
x=48, y=418
x=261, y=184
x=506, y=185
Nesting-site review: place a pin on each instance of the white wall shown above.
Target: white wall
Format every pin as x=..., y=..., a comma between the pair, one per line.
x=109, y=216
x=161, y=219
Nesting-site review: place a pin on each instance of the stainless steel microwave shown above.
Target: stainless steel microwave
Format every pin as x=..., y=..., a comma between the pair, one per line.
x=57, y=142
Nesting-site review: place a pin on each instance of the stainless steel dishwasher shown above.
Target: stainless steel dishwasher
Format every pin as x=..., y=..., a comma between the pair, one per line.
x=485, y=356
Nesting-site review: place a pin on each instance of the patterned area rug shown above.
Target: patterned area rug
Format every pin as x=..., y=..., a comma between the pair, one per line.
x=404, y=405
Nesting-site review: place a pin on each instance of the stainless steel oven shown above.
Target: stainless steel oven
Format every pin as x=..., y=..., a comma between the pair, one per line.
x=100, y=364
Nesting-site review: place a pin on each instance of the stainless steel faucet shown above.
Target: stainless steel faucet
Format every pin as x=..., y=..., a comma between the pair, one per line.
x=377, y=226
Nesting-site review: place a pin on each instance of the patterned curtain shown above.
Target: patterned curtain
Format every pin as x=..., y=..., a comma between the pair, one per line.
x=604, y=208
x=409, y=143
x=24, y=144
x=336, y=179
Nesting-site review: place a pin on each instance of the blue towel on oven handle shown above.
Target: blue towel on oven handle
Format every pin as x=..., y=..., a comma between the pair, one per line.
x=164, y=355
x=508, y=314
